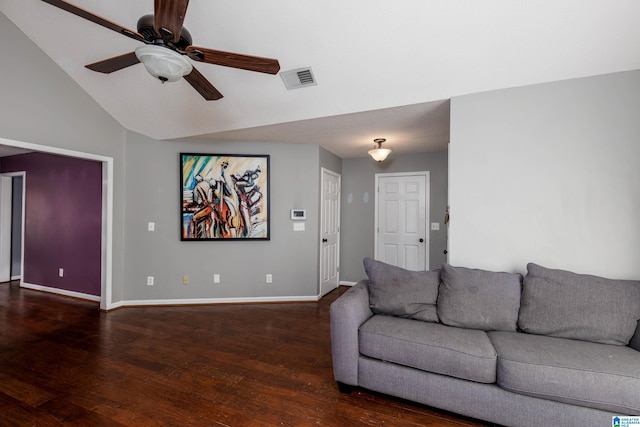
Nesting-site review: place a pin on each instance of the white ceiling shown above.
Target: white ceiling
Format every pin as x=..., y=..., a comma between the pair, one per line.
x=384, y=68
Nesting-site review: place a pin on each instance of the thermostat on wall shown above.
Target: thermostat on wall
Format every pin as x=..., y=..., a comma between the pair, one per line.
x=298, y=214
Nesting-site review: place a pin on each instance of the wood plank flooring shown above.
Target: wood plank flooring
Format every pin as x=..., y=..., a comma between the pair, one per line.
x=64, y=362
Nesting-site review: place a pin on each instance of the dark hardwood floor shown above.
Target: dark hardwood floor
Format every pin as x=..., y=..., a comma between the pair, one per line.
x=64, y=362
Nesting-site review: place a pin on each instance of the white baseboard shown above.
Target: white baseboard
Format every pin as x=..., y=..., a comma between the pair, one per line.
x=164, y=302
x=113, y=306
x=205, y=301
x=342, y=283
x=16, y=277
x=60, y=291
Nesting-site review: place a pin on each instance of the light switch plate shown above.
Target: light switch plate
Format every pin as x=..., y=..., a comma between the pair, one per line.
x=298, y=226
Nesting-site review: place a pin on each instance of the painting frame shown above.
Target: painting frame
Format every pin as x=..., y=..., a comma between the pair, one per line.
x=225, y=197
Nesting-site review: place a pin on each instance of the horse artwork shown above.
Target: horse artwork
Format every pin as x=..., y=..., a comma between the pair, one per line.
x=224, y=197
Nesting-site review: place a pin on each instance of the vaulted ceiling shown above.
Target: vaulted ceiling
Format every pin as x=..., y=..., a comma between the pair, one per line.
x=383, y=68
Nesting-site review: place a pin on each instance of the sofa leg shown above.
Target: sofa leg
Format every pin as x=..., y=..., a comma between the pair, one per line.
x=345, y=388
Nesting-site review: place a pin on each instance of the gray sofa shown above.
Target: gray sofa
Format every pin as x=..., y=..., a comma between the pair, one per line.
x=551, y=348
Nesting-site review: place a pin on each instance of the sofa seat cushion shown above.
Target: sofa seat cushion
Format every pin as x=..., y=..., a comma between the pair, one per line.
x=582, y=373
x=432, y=347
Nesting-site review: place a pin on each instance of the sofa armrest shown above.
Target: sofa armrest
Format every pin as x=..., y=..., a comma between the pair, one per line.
x=635, y=340
x=348, y=312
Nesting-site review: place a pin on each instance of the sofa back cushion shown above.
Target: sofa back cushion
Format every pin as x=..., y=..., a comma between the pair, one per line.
x=634, y=342
x=399, y=292
x=563, y=304
x=479, y=299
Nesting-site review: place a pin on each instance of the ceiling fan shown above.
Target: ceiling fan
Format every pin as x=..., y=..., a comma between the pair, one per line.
x=167, y=43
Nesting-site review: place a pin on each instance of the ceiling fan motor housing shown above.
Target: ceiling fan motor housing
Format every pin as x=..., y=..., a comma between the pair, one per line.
x=147, y=30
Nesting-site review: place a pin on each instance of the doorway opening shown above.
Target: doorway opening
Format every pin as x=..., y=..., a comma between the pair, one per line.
x=106, y=251
x=11, y=225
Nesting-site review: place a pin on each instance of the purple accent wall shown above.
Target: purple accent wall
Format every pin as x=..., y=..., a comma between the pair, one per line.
x=63, y=220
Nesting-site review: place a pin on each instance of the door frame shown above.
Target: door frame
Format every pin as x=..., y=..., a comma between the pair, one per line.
x=9, y=199
x=5, y=227
x=106, y=282
x=324, y=170
x=427, y=198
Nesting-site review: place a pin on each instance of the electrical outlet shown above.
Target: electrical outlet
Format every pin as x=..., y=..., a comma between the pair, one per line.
x=185, y=280
x=61, y=272
x=269, y=278
x=216, y=278
x=149, y=280
x=151, y=226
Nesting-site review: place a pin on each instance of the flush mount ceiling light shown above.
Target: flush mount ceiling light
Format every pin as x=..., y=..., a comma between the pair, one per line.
x=163, y=63
x=379, y=153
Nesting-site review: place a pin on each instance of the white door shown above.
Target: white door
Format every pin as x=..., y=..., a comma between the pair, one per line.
x=329, y=231
x=5, y=228
x=401, y=216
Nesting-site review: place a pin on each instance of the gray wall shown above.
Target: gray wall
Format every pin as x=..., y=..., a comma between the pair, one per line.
x=153, y=194
x=40, y=104
x=330, y=161
x=548, y=174
x=357, y=219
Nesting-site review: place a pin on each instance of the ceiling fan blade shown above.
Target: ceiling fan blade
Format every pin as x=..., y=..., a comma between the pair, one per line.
x=116, y=63
x=234, y=60
x=95, y=18
x=169, y=16
x=202, y=85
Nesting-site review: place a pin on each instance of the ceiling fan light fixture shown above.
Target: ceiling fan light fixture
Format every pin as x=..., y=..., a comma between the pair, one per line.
x=379, y=153
x=163, y=63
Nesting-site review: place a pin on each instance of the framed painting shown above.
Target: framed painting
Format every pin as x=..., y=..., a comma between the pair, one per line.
x=224, y=197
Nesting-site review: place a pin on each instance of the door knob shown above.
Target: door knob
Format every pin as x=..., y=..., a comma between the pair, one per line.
x=421, y=240
x=324, y=240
